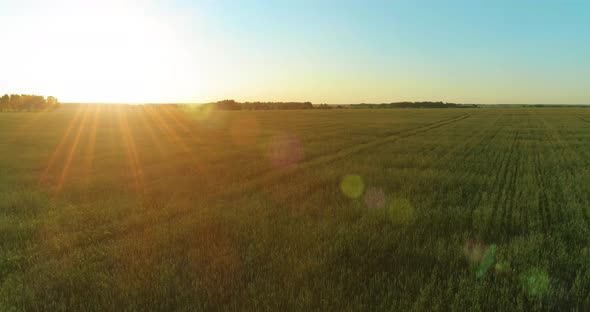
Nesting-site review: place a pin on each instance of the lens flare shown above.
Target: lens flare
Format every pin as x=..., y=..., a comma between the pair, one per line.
x=502, y=267
x=488, y=260
x=352, y=186
x=284, y=150
x=374, y=197
x=401, y=211
x=474, y=251
x=536, y=282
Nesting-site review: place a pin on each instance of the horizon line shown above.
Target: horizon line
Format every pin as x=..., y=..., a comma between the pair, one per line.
x=370, y=103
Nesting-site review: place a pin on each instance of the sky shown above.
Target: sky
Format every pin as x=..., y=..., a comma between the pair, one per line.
x=336, y=52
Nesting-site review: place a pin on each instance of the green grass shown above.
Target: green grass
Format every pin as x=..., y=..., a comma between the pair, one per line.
x=135, y=209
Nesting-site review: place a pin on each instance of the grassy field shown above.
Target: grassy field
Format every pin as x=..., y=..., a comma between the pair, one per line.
x=166, y=209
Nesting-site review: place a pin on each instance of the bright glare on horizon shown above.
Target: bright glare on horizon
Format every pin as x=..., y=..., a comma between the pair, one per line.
x=107, y=51
x=319, y=51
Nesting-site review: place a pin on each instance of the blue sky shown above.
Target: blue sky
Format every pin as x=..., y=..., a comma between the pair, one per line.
x=327, y=51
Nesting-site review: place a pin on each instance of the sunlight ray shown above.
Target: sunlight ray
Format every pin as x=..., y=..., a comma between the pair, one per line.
x=66, y=169
x=92, y=144
x=196, y=161
x=150, y=130
x=58, y=149
x=131, y=152
x=181, y=121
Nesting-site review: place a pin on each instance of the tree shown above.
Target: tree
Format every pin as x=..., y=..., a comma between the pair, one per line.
x=37, y=102
x=4, y=102
x=52, y=102
x=15, y=102
x=28, y=102
x=228, y=105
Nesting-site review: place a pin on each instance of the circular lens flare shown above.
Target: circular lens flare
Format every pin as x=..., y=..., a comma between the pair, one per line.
x=401, y=211
x=352, y=186
x=374, y=198
x=285, y=150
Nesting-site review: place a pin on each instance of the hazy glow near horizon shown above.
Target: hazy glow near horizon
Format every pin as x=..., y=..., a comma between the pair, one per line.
x=319, y=51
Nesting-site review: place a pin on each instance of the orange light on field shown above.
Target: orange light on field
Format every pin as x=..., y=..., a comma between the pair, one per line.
x=58, y=149
x=149, y=129
x=92, y=142
x=131, y=152
x=73, y=147
x=172, y=135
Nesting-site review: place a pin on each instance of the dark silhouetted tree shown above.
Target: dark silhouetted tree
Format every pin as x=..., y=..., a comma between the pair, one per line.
x=27, y=102
x=15, y=102
x=4, y=102
x=52, y=102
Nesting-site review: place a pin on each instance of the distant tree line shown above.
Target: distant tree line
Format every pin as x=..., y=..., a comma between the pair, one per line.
x=554, y=105
x=233, y=105
x=27, y=102
x=414, y=105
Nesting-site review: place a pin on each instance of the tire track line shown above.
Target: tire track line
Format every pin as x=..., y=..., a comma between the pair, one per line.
x=543, y=211
x=346, y=151
x=485, y=142
x=496, y=160
x=500, y=182
x=459, y=156
x=269, y=176
x=580, y=156
x=510, y=200
x=503, y=184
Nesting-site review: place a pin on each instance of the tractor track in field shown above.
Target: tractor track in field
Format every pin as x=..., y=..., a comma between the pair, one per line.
x=543, y=201
x=541, y=176
x=508, y=164
x=458, y=161
x=581, y=156
x=527, y=166
x=559, y=154
x=486, y=147
x=497, y=160
x=506, y=203
x=270, y=176
x=446, y=156
x=503, y=183
x=346, y=151
x=461, y=147
x=500, y=162
x=267, y=178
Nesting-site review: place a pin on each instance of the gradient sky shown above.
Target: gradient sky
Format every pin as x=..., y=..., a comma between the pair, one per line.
x=321, y=51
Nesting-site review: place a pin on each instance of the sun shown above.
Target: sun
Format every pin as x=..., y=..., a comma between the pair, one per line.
x=108, y=51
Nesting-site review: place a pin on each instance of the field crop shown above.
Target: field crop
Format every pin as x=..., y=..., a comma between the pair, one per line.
x=137, y=208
